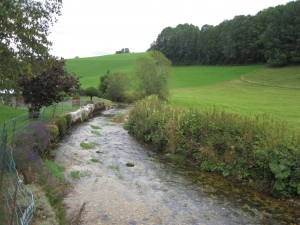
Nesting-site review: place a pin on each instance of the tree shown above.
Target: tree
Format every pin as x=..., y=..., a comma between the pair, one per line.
x=123, y=50
x=91, y=92
x=117, y=84
x=103, y=83
x=152, y=75
x=44, y=89
x=24, y=27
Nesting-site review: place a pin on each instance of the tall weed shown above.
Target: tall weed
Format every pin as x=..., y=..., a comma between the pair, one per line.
x=256, y=149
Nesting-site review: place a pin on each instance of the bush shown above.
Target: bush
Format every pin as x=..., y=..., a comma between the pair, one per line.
x=62, y=125
x=68, y=119
x=34, y=139
x=117, y=84
x=256, y=149
x=53, y=130
x=91, y=92
x=53, y=182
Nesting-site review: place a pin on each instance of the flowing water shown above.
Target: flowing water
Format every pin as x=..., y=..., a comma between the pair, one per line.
x=156, y=190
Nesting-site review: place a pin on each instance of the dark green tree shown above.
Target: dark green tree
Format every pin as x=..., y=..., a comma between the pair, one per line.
x=91, y=92
x=117, y=85
x=272, y=35
x=152, y=74
x=103, y=83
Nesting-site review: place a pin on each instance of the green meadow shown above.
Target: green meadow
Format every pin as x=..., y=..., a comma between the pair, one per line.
x=90, y=69
x=246, y=90
x=277, y=96
x=7, y=113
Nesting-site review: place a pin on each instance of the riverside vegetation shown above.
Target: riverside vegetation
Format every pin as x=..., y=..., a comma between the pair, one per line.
x=246, y=130
x=256, y=150
x=202, y=87
x=32, y=153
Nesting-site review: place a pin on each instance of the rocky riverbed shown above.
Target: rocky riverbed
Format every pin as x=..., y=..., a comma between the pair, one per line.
x=120, y=181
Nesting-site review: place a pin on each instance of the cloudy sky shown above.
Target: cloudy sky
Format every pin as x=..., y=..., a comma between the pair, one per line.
x=100, y=27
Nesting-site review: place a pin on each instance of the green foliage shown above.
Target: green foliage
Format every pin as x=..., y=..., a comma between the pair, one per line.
x=280, y=166
x=91, y=92
x=75, y=175
x=113, y=167
x=103, y=83
x=96, y=132
x=256, y=148
x=68, y=119
x=24, y=38
x=152, y=75
x=30, y=144
x=95, y=127
x=117, y=84
x=269, y=36
x=95, y=160
x=56, y=170
x=53, y=182
x=62, y=124
x=44, y=89
x=123, y=50
x=90, y=145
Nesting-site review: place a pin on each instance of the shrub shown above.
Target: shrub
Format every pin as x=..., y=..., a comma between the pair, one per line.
x=31, y=143
x=62, y=124
x=117, y=84
x=257, y=149
x=91, y=92
x=68, y=119
x=53, y=130
x=53, y=182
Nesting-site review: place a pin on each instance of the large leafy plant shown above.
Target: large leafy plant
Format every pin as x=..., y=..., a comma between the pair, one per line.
x=44, y=89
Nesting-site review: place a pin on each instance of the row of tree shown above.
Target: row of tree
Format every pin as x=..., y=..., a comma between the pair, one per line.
x=272, y=36
x=123, y=50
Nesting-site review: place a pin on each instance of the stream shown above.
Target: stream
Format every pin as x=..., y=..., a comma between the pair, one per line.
x=156, y=190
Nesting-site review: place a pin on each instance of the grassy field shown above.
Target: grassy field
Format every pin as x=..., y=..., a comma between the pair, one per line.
x=220, y=86
x=267, y=90
x=281, y=77
x=90, y=69
x=7, y=113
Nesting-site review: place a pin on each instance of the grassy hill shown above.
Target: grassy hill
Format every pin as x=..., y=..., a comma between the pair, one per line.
x=90, y=69
x=255, y=89
x=221, y=86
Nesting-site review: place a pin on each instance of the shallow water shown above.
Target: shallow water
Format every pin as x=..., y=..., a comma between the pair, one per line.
x=156, y=190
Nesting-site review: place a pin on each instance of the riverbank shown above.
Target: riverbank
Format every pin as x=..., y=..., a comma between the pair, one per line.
x=157, y=189
x=256, y=150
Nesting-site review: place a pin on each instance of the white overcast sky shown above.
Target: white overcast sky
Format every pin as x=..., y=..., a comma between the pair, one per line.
x=100, y=27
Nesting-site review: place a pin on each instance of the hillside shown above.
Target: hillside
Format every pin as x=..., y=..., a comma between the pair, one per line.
x=90, y=69
x=221, y=86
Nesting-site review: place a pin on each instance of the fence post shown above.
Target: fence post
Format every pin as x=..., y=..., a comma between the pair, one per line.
x=14, y=203
x=14, y=129
x=3, y=136
x=2, y=166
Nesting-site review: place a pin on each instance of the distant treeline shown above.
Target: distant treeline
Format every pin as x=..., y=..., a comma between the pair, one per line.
x=272, y=36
